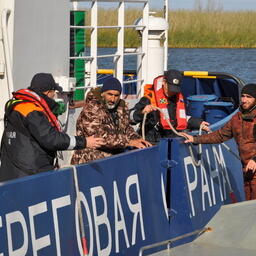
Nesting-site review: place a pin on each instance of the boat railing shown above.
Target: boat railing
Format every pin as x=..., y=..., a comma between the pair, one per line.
x=197, y=232
x=118, y=56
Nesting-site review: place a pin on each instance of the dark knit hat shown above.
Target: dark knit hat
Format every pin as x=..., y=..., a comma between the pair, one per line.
x=111, y=84
x=42, y=82
x=249, y=89
x=174, y=80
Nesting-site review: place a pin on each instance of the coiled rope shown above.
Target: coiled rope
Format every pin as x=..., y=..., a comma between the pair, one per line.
x=195, y=162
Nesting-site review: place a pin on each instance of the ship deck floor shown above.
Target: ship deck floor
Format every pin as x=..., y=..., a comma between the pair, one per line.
x=233, y=233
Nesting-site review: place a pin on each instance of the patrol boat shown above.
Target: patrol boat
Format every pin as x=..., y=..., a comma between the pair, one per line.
x=169, y=199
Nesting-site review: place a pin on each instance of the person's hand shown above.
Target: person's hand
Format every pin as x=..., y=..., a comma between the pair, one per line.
x=148, y=109
x=205, y=126
x=188, y=138
x=139, y=143
x=92, y=142
x=251, y=166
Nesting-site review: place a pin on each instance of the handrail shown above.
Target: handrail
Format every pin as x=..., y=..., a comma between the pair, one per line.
x=106, y=56
x=132, y=81
x=124, y=82
x=81, y=58
x=120, y=54
x=134, y=54
x=169, y=241
x=91, y=57
x=110, y=26
x=4, y=16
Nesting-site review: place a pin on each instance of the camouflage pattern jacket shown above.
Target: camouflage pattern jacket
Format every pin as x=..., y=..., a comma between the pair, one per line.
x=95, y=119
x=242, y=128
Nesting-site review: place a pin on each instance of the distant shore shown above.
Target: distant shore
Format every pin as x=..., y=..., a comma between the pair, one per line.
x=188, y=29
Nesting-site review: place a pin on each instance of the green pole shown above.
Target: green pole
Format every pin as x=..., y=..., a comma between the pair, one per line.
x=77, y=48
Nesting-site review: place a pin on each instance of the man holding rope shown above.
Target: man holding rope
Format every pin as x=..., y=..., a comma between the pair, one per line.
x=242, y=127
x=164, y=99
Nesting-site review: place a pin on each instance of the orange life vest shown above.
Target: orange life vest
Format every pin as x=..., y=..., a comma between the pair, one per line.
x=30, y=96
x=155, y=94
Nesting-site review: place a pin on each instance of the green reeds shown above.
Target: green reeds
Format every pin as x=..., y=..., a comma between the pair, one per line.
x=212, y=29
x=188, y=29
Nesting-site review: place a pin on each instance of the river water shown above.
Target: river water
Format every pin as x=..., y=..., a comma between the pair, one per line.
x=239, y=62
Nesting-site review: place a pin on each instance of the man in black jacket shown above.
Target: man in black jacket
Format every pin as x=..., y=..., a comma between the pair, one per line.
x=164, y=94
x=32, y=134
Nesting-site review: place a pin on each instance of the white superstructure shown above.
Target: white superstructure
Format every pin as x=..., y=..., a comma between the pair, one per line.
x=35, y=37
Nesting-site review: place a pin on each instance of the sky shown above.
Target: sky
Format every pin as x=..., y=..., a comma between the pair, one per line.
x=229, y=5
x=226, y=5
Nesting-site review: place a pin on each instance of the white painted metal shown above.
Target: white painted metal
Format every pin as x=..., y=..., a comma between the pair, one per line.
x=118, y=57
x=166, y=43
x=38, y=38
x=4, y=88
x=144, y=48
x=120, y=44
x=37, y=33
x=154, y=65
x=41, y=39
x=75, y=5
x=6, y=46
x=94, y=43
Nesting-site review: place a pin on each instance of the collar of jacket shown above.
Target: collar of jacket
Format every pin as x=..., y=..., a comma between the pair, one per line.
x=31, y=96
x=95, y=94
x=248, y=116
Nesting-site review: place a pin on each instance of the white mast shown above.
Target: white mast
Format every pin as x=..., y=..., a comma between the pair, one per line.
x=166, y=15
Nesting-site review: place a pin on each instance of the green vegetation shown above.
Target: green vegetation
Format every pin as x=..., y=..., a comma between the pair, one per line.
x=212, y=29
x=189, y=29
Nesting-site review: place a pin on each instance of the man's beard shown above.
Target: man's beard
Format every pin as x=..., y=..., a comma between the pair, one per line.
x=110, y=106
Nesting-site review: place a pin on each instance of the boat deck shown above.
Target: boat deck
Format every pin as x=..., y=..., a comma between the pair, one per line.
x=224, y=239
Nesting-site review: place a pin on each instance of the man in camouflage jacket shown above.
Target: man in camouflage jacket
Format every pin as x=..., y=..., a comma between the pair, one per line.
x=106, y=115
x=242, y=127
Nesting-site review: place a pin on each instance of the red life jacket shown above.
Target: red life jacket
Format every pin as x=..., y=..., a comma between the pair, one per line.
x=30, y=96
x=157, y=98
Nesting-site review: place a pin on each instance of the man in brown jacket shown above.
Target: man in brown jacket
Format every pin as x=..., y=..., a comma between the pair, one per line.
x=242, y=127
x=105, y=115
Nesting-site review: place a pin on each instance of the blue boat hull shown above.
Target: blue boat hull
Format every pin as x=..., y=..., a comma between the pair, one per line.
x=128, y=201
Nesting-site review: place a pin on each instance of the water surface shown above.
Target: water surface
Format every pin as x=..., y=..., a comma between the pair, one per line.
x=239, y=62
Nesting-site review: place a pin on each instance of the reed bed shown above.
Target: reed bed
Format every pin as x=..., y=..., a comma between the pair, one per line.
x=188, y=29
